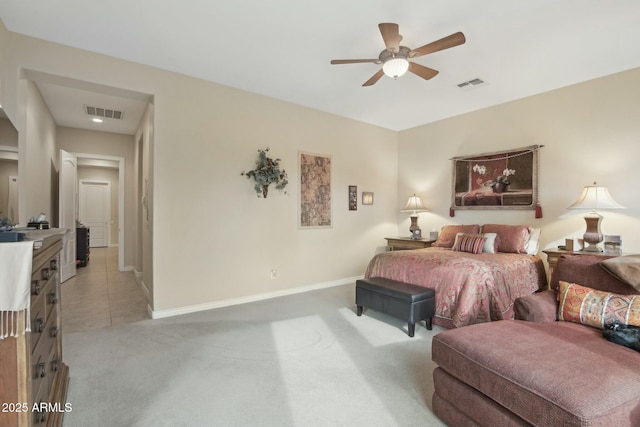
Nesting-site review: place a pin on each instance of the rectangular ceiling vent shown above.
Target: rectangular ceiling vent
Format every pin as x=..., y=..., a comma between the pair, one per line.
x=103, y=112
x=471, y=84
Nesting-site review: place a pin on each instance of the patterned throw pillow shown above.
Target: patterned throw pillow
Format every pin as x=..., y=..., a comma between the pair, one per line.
x=471, y=243
x=513, y=238
x=448, y=234
x=591, y=307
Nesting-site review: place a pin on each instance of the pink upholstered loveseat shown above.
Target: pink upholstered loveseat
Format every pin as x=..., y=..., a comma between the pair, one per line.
x=539, y=371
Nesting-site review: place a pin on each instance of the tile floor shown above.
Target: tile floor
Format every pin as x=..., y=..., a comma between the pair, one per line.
x=100, y=296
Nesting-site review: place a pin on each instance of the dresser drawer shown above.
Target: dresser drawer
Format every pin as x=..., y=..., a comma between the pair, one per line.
x=38, y=320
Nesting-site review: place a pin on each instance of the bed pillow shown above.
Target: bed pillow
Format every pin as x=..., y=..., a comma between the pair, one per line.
x=580, y=304
x=472, y=243
x=533, y=244
x=492, y=243
x=447, y=236
x=513, y=238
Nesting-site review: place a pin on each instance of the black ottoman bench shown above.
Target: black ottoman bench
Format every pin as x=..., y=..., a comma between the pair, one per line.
x=404, y=301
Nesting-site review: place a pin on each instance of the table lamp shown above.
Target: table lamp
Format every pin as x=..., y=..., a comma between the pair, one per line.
x=594, y=197
x=414, y=205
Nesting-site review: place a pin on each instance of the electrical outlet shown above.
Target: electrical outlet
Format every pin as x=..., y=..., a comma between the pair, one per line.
x=273, y=273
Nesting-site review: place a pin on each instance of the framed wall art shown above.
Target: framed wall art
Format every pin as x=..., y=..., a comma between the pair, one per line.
x=353, y=198
x=315, y=191
x=367, y=198
x=499, y=180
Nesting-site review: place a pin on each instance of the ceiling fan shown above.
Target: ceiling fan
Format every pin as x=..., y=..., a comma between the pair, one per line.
x=395, y=59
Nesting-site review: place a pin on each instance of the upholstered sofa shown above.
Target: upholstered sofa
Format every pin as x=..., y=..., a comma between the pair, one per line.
x=539, y=371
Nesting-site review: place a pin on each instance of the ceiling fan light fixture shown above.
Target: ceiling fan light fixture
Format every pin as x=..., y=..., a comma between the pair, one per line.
x=395, y=67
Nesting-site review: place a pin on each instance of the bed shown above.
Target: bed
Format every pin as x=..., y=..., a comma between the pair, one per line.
x=470, y=287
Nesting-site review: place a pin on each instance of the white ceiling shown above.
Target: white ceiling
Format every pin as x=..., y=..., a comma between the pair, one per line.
x=282, y=48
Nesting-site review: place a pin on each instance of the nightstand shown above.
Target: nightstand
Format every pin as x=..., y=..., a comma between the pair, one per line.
x=407, y=243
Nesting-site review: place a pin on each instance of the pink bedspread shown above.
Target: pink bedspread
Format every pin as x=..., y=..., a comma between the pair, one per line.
x=469, y=288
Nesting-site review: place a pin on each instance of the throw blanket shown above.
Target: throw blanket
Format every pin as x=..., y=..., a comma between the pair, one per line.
x=15, y=286
x=470, y=288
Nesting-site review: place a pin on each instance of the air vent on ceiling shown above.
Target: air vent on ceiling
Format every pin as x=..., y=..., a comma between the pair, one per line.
x=471, y=84
x=103, y=112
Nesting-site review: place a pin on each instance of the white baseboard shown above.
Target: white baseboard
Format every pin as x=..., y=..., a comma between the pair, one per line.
x=159, y=314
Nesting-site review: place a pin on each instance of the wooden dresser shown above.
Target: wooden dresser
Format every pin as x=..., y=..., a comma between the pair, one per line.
x=33, y=376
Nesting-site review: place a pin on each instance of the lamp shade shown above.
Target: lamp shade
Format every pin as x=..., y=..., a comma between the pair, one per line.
x=395, y=67
x=595, y=197
x=414, y=204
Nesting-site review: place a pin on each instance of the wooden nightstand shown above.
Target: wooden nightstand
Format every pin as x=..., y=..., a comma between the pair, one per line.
x=407, y=243
x=554, y=254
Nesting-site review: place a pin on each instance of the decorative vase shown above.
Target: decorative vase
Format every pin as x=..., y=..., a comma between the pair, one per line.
x=265, y=190
x=499, y=187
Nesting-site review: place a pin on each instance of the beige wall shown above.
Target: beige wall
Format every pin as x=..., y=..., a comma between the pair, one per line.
x=38, y=158
x=212, y=239
x=590, y=131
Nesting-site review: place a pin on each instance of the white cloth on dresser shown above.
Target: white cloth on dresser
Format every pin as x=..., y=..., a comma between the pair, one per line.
x=15, y=287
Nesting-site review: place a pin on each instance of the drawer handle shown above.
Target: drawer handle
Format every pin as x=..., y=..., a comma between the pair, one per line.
x=36, y=287
x=53, y=298
x=39, y=324
x=54, y=264
x=41, y=414
x=54, y=331
x=45, y=274
x=42, y=370
x=54, y=365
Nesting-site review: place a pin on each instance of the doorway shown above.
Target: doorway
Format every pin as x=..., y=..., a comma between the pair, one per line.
x=116, y=164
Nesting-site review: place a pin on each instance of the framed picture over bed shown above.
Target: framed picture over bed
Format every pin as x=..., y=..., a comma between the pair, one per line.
x=498, y=180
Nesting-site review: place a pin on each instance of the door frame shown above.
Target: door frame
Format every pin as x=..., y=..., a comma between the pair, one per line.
x=82, y=194
x=121, y=187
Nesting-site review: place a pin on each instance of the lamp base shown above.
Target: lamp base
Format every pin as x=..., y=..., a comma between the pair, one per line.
x=416, y=233
x=593, y=235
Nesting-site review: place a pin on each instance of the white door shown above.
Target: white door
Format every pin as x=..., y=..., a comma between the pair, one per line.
x=95, y=211
x=68, y=213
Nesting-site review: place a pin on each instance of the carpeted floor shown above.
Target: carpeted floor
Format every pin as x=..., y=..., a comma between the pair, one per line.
x=299, y=360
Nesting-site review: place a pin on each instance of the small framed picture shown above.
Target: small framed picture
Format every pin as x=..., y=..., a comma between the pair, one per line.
x=353, y=198
x=367, y=198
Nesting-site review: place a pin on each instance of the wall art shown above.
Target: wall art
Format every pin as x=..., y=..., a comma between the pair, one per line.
x=315, y=191
x=353, y=198
x=499, y=180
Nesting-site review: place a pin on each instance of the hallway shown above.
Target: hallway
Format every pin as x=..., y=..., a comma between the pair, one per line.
x=100, y=296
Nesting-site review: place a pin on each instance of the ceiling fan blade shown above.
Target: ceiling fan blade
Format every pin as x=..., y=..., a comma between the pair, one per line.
x=354, y=61
x=390, y=36
x=422, y=71
x=453, y=40
x=374, y=79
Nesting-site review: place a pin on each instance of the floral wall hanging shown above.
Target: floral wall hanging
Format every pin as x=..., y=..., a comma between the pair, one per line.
x=267, y=172
x=500, y=180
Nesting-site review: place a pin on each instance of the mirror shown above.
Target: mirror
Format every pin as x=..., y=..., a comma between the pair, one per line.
x=8, y=169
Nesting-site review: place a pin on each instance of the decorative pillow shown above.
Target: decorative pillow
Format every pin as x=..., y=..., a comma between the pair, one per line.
x=591, y=307
x=448, y=234
x=471, y=243
x=513, y=238
x=624, y=268
x=492, y=243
